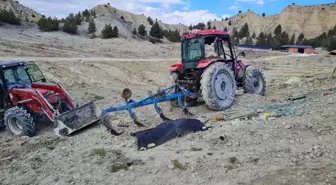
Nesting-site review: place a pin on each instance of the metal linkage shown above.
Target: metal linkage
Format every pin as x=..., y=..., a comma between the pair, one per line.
x=161, y=96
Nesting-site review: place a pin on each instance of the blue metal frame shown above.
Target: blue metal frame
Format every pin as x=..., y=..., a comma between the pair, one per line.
x=154, y=99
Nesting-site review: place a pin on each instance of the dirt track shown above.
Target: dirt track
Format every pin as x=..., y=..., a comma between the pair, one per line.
x=293, y=149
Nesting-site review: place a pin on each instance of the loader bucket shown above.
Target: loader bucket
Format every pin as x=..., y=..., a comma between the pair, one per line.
x=76, y=119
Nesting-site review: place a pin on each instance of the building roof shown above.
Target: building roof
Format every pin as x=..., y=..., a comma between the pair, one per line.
x=296, y=46
x=254, y=46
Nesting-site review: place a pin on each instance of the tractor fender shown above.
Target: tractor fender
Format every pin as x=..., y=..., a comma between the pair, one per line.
x=176, y=67
x=205, y=63
x=245, y=67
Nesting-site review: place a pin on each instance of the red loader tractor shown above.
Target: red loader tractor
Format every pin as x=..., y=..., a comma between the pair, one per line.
x=26, y=97
x=210, y=68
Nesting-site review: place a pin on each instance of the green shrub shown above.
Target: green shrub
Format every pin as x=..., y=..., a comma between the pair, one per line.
x=70, y=24
x=9, y=17
x=108, y=32
x=48, y=24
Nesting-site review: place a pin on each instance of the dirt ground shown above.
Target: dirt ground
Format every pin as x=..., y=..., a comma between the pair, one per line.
x=295, y=145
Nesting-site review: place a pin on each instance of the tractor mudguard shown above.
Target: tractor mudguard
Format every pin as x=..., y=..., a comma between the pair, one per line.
x=176, y=67
x=205, y=63
x=76, y=119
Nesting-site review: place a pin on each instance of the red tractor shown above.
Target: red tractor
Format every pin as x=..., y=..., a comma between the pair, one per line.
x=214, y=73
x=25, y=97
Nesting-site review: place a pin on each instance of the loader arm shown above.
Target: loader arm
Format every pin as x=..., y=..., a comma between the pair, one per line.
x=56, y=88
x=33, y=100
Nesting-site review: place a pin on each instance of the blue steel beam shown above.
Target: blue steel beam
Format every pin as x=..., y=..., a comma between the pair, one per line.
x=161, y=96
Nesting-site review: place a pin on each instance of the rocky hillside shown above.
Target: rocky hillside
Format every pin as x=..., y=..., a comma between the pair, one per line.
x=127, y=21
x=22, y=12
x=309, y=20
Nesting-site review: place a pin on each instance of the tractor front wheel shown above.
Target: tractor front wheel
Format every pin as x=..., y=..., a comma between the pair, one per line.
x=254, y=81
x=19, y=122
x=218, y=86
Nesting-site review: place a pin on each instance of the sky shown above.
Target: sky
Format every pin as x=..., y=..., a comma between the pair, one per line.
x=170, y=11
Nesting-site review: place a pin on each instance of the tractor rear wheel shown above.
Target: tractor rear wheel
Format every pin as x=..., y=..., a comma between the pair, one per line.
x=254, y=81
x=218, y=86
x=19, y=122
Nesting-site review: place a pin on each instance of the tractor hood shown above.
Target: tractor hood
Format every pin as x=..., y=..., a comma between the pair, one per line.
x=42, y=91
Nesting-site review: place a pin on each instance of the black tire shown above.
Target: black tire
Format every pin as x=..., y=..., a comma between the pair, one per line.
x=19, y=122
x=222, y=96
x=254, y=81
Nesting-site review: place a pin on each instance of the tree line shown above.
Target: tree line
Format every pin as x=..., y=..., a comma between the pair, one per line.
x=280, y=38
x=158, y=32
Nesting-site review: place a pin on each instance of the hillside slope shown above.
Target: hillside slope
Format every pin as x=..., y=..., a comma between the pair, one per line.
x=107, y=14
x=309, y=20
x=21, y=11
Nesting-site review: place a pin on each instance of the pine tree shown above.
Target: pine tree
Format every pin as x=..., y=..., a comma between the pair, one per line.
x=214, y=27
x=284, y=38
x=156, y=31
x=92, y=26
x=190, y=27
x=278, y=30
x=209, y=25
x=93, y=13
x=48, y=24
x=269, y=39
x=115, y=32
x=253, y=35
x=300, y=39
x=70, y=24
x=244, y=31
x=142, y=30
x=107, y=32
x=225, y=29
x=149, y=19
x=9, y=17
x=134, y=32
x=261, y=39
x=78, y=18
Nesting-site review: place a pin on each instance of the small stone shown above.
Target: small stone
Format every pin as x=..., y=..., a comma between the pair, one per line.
x=330, y=101
x=151, y=145
x=315, y=147
x=287, y=127
x=171, y=166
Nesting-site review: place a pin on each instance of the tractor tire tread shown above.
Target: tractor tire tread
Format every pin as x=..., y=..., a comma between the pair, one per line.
x=25, y=117
x=248, y=81
x=207, y=94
